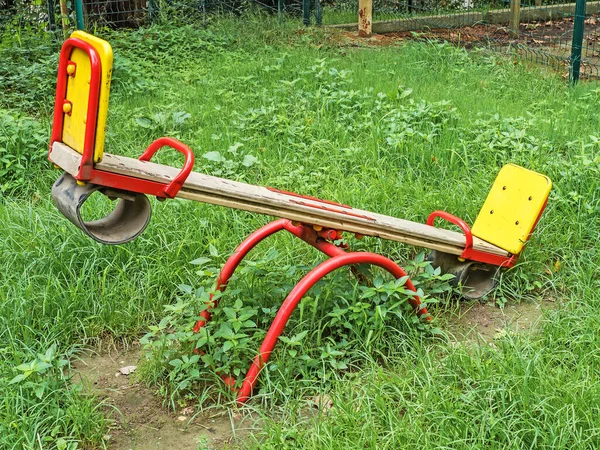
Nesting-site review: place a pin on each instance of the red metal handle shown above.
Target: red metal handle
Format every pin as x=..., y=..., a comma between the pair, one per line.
x=456, y=221
x=173, y=188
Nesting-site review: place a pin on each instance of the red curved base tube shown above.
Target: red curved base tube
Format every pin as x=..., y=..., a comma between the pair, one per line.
x=339, y=258
x=294, y=297
x=234, y=261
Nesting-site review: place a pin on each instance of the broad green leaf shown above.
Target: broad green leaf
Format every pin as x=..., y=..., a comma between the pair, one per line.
x=200, y=261
x=214, y=156
x=144, y=122
x=249, y=160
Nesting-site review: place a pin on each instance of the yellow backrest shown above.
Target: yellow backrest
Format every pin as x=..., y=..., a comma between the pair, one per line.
x=78, y=91
x=512, y=208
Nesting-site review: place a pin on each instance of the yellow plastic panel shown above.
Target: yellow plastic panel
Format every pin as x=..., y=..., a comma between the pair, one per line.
x=78, y=93
x=512, y=208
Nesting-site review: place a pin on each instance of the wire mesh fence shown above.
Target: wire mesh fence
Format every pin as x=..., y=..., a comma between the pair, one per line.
x=52, y=15
x=539, y=30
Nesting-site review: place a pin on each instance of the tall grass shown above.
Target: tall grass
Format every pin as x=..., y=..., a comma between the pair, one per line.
x=401, y=131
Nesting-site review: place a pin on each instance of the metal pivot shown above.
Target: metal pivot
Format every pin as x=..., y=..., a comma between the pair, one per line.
x=126, y=222
x=477, y=279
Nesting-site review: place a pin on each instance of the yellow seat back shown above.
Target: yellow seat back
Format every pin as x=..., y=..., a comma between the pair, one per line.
x=512, y=208
x=78, y=91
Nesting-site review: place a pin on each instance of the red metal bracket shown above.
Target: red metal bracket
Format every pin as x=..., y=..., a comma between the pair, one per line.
x=469, y=252
x=339, y=258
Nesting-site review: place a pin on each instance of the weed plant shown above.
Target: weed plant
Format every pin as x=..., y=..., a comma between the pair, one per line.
x=399, y=130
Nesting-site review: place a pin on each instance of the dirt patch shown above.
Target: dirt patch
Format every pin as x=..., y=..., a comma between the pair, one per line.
x=139, y=420
x=484, y=322
x=546, y=42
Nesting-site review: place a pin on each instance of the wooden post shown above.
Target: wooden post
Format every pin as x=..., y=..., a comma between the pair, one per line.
x=515, y=15
x=64, y=18
x=365, y=18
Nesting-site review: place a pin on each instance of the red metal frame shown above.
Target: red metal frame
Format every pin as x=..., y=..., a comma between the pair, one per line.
x=339, y=258
x=469, y=252
x=87, y=158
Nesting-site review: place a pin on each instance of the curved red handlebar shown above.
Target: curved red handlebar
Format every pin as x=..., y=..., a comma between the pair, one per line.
x=173, y=188
x=456, y=221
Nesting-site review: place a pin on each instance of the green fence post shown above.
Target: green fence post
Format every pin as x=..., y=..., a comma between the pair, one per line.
x=79, y=14
x=151, y=11
x=577, y=43
x=318, y=13
x=306, y=12
x=51, y=15
x=280, y=11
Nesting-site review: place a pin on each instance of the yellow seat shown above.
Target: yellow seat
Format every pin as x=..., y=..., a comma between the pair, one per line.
x=78, y=92
x=512, y=208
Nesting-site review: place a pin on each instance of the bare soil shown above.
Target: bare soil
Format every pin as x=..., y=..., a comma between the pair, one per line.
x=139, y=419
x=485, y=322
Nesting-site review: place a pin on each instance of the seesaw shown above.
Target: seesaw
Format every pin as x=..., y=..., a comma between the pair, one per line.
x=474, y=255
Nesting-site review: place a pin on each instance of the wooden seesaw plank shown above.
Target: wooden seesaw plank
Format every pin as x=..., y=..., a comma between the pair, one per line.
x=237, y=195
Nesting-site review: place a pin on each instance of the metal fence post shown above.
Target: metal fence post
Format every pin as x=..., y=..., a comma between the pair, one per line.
x=280, y=11
x=318, y=13
x=577, y=43
x=79, y=14
x=51, y=15
x=306, y=12
x=151, y=11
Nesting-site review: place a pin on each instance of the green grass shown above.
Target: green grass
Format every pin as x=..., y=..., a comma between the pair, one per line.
x=401, y=131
